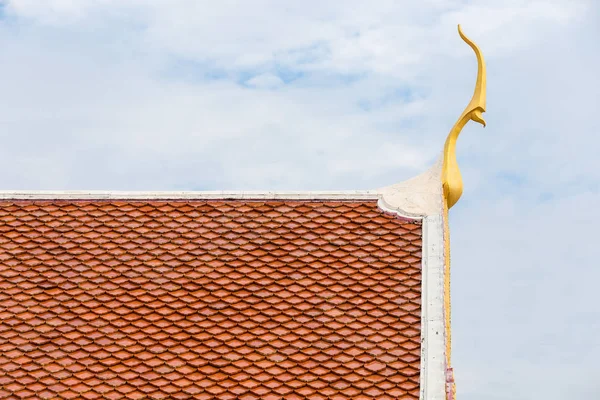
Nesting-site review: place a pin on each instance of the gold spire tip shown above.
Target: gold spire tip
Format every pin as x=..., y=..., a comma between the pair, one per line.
x=451, y=177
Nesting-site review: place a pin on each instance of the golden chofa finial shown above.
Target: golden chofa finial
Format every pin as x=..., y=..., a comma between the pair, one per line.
x=451, y=179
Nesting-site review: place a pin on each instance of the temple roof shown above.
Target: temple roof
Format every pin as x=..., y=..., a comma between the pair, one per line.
x=248, y=299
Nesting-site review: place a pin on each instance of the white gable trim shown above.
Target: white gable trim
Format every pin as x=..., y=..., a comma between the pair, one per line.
x=433, y=341
x=189, y=195
x=350, y=195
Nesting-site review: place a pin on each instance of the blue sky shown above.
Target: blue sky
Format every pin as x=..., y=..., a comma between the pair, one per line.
x=264, y=94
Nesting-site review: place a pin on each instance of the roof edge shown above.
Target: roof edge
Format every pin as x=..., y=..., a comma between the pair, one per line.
x=433, y=334
x=188, y=195
x=414, y=198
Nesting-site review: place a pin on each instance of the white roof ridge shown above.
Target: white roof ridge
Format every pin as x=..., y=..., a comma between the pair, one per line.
x=185, y=195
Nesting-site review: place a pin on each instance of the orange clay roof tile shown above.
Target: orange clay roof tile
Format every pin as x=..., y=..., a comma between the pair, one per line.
x=217, y=299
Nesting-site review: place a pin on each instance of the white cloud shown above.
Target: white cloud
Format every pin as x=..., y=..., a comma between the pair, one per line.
x=265, y=81
x=378, y=37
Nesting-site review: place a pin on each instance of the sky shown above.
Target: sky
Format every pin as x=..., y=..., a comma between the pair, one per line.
x=313, y=95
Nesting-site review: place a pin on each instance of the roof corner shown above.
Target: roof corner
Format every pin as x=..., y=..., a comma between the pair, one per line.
x=416, y=197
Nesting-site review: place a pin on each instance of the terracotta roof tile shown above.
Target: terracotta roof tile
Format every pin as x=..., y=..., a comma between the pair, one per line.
x=209, y=299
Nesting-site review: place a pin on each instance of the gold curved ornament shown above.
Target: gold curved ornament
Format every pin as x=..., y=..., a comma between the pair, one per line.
x=451, y=178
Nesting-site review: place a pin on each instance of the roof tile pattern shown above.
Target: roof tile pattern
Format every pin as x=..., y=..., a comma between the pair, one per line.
x=208, y=300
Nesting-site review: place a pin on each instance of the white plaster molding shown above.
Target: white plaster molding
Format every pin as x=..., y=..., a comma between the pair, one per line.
x=433, y=340
x=189, y=195
x=416, y=197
